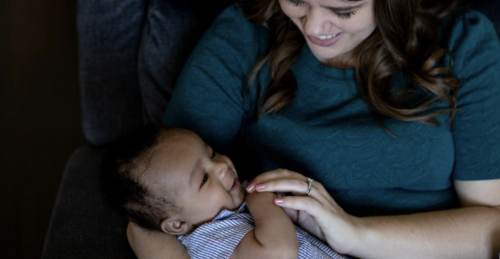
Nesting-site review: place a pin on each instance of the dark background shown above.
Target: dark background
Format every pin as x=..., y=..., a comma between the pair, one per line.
x=39, y=116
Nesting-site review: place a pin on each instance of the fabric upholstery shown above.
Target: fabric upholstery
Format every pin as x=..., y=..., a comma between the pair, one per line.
x=109, y=36
x=171, y=31
x=83, y=222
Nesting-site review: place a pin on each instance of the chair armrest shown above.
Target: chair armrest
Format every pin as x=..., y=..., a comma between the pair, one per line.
x=83, y=222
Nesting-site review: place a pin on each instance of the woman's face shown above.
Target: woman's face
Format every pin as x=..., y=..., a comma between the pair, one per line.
x=332, y=28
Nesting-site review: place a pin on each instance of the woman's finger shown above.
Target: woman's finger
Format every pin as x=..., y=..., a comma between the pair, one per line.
x=322, y=213
x=278, y=173
x=273, y=175
x=292, y=214
x=301, y=203
x=283, y=180
x=298, y=187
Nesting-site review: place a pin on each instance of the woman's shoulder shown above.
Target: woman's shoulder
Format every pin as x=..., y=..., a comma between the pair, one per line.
x=475, y=51
x=473, y=43
x=234, y=28
x=464, y=27
x=235, y=11
x=231, y=40
x=234, y=15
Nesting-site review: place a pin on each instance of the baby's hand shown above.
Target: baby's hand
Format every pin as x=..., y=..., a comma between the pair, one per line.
x=256, y=198
x=302, y=219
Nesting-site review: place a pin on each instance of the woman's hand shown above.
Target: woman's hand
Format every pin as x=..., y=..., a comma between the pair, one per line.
x=317, y=213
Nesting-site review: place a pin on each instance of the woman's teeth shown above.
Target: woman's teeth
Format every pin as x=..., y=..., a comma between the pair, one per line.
x=327, y=37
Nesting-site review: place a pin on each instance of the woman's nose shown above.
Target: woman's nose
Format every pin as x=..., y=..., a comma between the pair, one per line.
x=316, y=22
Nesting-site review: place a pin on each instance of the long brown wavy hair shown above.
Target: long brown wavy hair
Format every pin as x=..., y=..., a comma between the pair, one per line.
x=405, y=41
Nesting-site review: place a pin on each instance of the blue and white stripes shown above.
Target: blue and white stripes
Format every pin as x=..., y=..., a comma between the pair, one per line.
x=218, y=238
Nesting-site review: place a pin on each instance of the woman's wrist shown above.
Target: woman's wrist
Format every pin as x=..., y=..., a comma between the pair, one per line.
x=354, y=241
x=362, y=237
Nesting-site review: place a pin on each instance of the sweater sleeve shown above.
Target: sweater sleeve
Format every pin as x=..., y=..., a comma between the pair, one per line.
x=209, y=94
x=475, y=49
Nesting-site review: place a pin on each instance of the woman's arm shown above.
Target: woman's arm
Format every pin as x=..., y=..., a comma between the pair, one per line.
x=148, y=244
x=468, y=232
x=274, y=234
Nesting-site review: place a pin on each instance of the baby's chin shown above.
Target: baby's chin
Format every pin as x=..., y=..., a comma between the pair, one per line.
x=243, y=188
x=240, y=198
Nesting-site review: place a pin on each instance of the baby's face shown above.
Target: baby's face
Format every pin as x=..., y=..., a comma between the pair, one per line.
x=203, y=181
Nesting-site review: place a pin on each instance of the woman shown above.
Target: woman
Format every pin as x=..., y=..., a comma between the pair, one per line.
x=392, y=107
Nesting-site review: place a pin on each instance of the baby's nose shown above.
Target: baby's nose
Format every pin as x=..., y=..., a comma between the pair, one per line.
x=221, y=169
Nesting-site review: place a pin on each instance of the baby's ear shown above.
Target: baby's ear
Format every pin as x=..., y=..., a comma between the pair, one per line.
x=175, y=226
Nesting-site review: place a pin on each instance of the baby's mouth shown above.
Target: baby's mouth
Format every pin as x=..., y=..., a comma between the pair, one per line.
x=235, y=178
x=236, y=185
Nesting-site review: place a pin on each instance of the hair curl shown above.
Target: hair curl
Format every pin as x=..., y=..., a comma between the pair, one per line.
x=405, y=41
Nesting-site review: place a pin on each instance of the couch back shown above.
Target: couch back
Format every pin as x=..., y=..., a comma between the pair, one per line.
x=131, y=52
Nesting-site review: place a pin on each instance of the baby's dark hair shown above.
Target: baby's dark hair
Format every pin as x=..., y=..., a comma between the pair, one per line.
x=128, y=160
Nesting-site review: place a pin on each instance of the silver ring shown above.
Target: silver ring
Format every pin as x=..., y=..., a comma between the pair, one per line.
x=309, y=186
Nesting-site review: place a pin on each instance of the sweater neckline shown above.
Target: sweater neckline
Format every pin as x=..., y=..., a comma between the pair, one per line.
x=308, y=59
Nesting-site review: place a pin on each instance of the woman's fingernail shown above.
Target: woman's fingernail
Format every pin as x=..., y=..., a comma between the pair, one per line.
x=260, y=186
x=250, y=186
x=279, y=200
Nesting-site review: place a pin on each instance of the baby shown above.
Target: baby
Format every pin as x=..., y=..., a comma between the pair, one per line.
x=174, y=182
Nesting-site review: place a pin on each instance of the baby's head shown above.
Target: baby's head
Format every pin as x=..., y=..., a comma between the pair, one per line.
x=172, y=181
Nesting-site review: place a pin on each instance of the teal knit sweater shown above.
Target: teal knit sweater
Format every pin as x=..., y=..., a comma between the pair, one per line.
x=328, y=132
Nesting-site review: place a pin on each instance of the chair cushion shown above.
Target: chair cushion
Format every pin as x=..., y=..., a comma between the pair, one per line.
x=171, y=31
x=84, y=224
x=108, y=41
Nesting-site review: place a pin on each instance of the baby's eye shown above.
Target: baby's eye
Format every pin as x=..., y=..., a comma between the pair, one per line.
x=205, y=179
x=213, y=155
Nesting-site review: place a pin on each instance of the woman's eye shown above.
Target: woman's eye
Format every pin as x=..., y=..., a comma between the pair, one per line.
x=296, y=2
x=344, y=16
x=205, y=179
x=213, y=155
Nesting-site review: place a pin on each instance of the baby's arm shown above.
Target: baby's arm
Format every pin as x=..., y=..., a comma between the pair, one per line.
x=274, y=234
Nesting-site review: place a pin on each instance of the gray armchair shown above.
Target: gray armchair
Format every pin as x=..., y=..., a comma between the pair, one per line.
x=131, y=52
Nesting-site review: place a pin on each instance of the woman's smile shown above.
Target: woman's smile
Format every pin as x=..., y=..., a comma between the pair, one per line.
x=325, y=40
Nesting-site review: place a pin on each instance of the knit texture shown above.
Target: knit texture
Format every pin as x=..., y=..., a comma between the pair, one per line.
x=329, y=133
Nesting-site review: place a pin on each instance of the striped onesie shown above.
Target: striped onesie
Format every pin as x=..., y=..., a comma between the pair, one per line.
x=218, y=239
